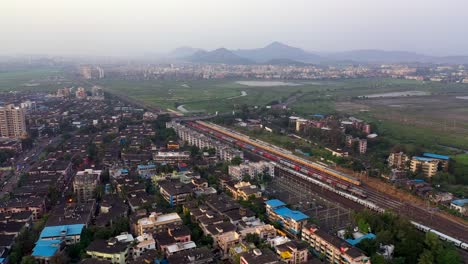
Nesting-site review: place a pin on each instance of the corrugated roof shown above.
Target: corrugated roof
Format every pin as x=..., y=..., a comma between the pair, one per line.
x=275, y=203
x=422, y=158
x=46, y=248
x=288, y=213
x=436, y=156
x=56, y=231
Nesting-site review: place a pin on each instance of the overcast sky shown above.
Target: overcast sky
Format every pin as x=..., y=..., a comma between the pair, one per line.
x=131, y=27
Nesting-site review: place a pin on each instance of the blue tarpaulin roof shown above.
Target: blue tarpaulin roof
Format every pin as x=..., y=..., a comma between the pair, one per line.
x=288, y=213
x=357, y=240
x=275, y=203
x=460, y=202
x=423, y=158
x=436, y=156
x=56, y=231
x=46, y=248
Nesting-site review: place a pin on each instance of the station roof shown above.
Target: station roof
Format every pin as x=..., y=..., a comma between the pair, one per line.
x=56, y=231
x=288, y=213
x=436, y=156
x=275, y=203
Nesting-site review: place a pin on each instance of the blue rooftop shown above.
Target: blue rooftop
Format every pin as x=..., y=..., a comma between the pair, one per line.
x=436, y=156
x=288, y=213
x=149, y=166
x=46, y=247
x=356, y=241
x=275, y=203
x=423, y=158
x=123, y=171
x=460, y=202
x=57, y=231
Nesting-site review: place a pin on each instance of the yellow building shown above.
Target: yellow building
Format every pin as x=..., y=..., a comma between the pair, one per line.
x=427, y=166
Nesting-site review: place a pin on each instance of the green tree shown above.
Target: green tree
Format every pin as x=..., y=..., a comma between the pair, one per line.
x=236, y=160
x=28, y=260
x=426, y=257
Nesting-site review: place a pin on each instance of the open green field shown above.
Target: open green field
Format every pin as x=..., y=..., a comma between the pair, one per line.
x=208, y=96
x=46, y=79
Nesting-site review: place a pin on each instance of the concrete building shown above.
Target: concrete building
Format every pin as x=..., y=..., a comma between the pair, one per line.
x=80, y=93
x=291, y=221
x=293, y=252
x=157, y=222
x=12, y=122
x=333, y=248
x=264, y=256
x=171, y=157
x=114, y=251
x=252, y=169
x=427, y=166
x=85, y=183
x=460, y=205
x=398, y=160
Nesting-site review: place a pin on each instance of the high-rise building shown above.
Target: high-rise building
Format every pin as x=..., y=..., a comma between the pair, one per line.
x=12, y=122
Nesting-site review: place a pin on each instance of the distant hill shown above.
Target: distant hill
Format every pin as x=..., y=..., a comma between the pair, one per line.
x=183, y=52
x=221, y=55
x=278, y=53
x=277, y=50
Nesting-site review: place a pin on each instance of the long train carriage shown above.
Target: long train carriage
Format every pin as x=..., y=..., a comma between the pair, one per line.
x=280, y=152
x=441, y=236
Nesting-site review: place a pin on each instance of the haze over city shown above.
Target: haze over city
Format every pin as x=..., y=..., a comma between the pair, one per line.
x=122, y=28
x=233, y=132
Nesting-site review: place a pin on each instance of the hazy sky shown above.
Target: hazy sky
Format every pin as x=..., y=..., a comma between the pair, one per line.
x=129, y=27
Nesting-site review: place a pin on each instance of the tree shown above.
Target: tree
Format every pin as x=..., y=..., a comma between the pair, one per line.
x=28, y=260
x=236, y=160
x=426, y=257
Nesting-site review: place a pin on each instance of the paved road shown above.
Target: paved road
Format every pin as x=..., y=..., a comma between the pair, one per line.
x=33, y=157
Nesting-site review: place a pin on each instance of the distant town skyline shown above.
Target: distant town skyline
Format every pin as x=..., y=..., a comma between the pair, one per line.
x=133, y=28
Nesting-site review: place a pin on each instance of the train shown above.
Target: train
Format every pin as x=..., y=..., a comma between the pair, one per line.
x=442, y=236
x=374, y=207
x=265, y=150
x=223, y=133
x=311, y=172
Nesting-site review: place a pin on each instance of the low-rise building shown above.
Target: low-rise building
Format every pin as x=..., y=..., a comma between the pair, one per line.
x=264, y=256
x=333, y=248
x=112, y=250
x=460, y=205
x=157, y=222
x=171, y=157
x=291, y=221
x=293, y=252
x=175, y=192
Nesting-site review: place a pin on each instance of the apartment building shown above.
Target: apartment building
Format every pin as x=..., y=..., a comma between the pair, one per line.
x=333, y=248
x=251, y=169
x=427, y=166
x=156, y=222
x=292, y=221
x=85, y=183
x=398, y=160
x=12, y=122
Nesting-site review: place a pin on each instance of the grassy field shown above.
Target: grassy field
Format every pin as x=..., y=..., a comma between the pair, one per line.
x=208, y=96
x=47, y=79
